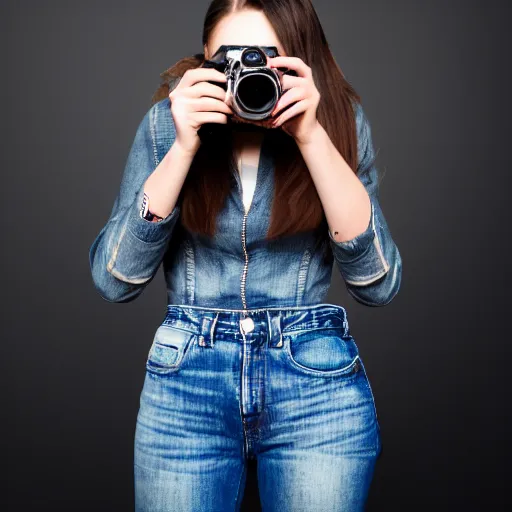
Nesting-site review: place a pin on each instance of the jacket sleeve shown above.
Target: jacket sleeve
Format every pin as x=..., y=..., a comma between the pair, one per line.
x=369, y=263
x=126, y=254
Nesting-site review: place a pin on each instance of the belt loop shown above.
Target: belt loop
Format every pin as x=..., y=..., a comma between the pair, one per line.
x=346, y=327
x=275, y=334
x=207, y=334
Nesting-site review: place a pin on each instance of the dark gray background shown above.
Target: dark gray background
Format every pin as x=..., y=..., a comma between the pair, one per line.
x=435, y=80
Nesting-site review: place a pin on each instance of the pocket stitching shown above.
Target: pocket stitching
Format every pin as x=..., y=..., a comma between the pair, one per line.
x=163, y=369
x=346, y=370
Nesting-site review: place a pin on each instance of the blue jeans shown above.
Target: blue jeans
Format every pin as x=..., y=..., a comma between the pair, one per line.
x=284, y=386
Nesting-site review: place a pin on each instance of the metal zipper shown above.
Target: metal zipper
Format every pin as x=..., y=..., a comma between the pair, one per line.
x=246, y=323
x=246, y=264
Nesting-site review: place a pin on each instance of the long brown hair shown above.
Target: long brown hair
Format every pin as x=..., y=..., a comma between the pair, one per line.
x=209, y=179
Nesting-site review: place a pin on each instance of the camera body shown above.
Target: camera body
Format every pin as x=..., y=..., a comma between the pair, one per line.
x=253, y=89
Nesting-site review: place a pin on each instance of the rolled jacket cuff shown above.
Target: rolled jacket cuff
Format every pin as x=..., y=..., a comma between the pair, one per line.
x=361, y=260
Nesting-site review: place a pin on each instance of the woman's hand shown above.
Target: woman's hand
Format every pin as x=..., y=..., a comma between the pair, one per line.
x=194, y=102
x=299, y=120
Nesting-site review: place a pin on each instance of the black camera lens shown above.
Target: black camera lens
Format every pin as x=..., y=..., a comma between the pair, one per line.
x=256, y=93
x=253, y=57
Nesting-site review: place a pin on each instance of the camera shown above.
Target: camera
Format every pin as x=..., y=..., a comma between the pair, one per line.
x=253, y=89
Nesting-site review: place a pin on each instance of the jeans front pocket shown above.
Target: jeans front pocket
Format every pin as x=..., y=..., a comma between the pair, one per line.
x=322, y=352
x=168, y=349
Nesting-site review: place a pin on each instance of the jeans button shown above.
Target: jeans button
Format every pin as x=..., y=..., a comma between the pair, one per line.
x=247, y=324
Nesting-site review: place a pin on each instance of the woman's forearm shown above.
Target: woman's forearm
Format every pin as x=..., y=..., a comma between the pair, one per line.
x=164, y=184
x=344, y=198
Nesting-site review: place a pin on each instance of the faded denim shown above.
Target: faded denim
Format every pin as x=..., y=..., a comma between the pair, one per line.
x=292, y=393
x=237, y=268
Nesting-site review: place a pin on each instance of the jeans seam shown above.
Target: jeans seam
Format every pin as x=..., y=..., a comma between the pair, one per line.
x=237, y=504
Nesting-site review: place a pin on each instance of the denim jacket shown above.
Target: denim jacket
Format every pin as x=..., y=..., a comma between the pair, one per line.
x=237, y=268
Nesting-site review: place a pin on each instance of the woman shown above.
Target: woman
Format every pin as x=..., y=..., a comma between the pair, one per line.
x=249, y=362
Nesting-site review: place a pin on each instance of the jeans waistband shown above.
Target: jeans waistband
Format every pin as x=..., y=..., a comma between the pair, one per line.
x=240, y=324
